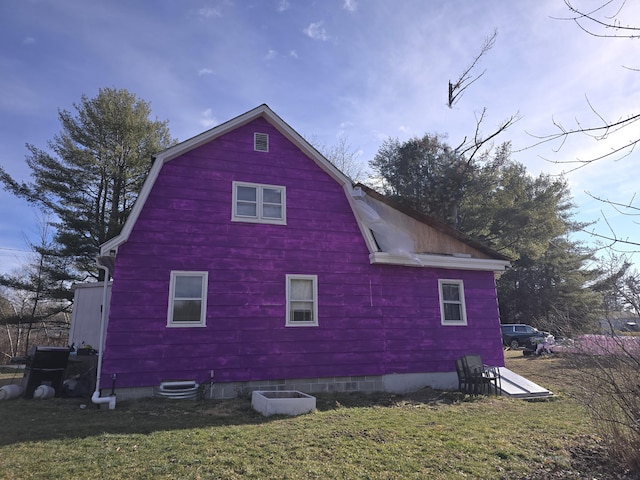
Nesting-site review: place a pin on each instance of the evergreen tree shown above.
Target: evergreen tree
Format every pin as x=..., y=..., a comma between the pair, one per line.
x=495, y=200
x=551, y=292
x=425, y=174
x=515, y=213
x=619, y=286
x=91, y=176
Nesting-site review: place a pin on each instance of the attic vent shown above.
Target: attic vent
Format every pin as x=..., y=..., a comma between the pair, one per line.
x=261, y=142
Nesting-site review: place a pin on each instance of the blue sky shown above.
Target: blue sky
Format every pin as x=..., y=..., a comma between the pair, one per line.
x=364, y=69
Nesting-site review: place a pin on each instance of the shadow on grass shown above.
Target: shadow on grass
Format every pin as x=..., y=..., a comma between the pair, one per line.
x=63, y=418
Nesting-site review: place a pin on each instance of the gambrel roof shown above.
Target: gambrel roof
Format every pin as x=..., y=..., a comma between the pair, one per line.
x=393, y=233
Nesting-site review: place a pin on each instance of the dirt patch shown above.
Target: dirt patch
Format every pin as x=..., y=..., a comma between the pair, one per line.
x=429, y=395
x=223, y=409
x=588, y=460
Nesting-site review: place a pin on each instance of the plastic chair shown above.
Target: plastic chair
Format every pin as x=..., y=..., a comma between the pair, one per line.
x=481, y=378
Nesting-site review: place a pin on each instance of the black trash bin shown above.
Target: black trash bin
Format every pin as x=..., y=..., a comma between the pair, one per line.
x=45, y=365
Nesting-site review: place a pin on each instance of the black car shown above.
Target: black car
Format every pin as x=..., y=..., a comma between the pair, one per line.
x=516, y=335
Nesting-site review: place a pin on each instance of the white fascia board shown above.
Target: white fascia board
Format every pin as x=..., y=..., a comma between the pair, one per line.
x=169, y=154
x=295, y=138
x=205, y=137
x=439, y=261
x=118, y=240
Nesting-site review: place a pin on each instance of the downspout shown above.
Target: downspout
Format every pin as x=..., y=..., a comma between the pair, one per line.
x=96, y=398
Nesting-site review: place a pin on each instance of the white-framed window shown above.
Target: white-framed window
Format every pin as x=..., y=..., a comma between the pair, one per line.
x=452, y=307
x=302, y=300
x=257, y=203
x=187, y=299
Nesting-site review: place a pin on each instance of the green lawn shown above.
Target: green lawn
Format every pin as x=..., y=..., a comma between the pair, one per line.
x=425, y=435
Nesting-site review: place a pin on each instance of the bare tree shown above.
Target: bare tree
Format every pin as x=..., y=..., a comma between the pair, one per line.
x=344, y=157
x=612, y=239
x=471, y=146
x=464, y=81
x=38, y=298
x=606, y=20
x=602, y=130
x=611, y=379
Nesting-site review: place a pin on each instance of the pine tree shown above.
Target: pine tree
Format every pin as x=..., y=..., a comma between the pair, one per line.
x=93, y=171
x=494, y=199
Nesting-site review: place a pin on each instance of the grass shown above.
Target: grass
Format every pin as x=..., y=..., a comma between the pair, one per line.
x=429, y=434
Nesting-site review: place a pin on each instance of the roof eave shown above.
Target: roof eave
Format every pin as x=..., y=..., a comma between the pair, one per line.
x=205, y=137
x=439, y=261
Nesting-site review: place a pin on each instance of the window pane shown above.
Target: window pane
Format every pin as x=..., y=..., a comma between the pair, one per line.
x=271, y=195
x=272, y=211
x=246, y=193
x=301, y=290
x=246, y=209
x=186, y=310
x=188, y=287
x=450, y=292
x=301, y=311
x=452, y=312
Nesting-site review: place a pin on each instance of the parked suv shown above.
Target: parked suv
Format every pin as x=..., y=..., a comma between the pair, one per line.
x=516, y=335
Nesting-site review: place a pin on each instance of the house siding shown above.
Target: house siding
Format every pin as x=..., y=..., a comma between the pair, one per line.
x=373, y=320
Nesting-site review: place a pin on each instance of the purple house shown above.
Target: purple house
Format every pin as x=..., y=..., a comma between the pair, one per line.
x=249, y=255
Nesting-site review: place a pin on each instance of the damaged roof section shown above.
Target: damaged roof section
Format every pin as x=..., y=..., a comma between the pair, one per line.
x=394, y=233
x=405, y=236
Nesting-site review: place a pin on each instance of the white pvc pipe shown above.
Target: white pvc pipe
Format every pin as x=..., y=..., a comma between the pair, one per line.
x=44, y=392
x=96, y=398
x=9, y=392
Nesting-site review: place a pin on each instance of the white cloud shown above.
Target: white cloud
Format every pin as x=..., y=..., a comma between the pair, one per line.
x=209, y=12
x=378, y=82
x=283, y=5
x=350, y=5
x=316, y=31
x=271, y=54
x=207, y=119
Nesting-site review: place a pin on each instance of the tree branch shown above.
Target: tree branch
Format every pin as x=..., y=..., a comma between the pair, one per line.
x=597, y=133
x=466, y=79
x=472, y=147
x=585, y=20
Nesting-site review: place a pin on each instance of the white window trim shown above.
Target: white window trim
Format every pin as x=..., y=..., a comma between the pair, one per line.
x=258, y=218
x=314, y=280
x=462, y=304
x=203, y=306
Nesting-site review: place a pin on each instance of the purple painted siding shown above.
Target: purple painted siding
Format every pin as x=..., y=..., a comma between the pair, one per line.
x=373, y=319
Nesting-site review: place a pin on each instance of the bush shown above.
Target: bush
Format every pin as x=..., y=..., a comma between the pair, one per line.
x=609, y=374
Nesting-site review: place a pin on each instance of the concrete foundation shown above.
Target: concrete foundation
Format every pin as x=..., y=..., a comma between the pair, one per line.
x=394, y=383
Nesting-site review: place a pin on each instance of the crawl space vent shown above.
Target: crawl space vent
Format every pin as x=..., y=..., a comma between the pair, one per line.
x=261, y=142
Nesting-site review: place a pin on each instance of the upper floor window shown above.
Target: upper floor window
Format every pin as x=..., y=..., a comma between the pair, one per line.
x=452, y=307
x=187, y=299
x=253, y=202
x=302, y=300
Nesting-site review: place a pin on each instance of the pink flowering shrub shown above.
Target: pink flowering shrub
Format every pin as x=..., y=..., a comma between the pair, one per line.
x=608, y=367
x=600, y=345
